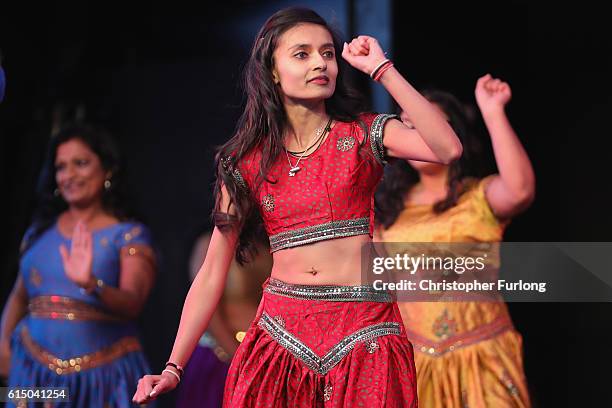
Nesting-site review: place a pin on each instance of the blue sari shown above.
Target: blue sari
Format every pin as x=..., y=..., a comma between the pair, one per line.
x=68, y=338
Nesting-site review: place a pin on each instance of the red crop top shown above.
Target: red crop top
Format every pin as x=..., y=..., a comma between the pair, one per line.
x=331, y=196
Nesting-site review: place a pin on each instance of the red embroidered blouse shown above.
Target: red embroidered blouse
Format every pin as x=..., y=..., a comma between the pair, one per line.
x=331, y=196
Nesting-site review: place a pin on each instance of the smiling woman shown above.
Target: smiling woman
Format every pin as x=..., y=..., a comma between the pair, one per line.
x=82, y=171
x=85, y=273
x=79, y=173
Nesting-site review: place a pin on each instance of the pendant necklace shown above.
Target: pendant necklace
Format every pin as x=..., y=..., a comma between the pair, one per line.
x=320, y=131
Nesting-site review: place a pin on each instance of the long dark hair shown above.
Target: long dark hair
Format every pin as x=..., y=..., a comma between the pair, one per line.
x=50, y=203
x=400, y=177
x=264, y=120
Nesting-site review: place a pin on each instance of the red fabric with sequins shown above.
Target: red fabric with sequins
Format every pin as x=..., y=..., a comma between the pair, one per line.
x=335, y=183
x=376, y=373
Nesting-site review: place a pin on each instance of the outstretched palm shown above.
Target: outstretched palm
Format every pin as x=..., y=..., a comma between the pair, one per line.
x=77, y=262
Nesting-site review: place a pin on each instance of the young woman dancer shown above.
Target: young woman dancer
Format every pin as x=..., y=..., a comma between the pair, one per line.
x=467, y=353
x=307, y=161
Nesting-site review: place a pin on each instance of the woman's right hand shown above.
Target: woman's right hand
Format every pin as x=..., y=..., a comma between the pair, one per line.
x=151, y=386
x=78, y=261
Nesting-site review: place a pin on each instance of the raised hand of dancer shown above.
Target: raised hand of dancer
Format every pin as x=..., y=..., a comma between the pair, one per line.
x=363, y=53
x=512, y=190
x=77, y=263
x=436, y=141
x=492, y=94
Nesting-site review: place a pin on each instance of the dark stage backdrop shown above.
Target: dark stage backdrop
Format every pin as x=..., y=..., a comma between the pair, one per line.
x=164, y=80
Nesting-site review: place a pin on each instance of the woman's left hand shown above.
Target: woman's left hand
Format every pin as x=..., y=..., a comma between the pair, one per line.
x=78, y=262
x=363, y=53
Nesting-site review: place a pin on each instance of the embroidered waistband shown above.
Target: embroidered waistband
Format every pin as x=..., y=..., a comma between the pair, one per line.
x=481, y=333
x=78, y=363
x=322, y=365
x=321, y=232
x=327, y=292
x=65, y=308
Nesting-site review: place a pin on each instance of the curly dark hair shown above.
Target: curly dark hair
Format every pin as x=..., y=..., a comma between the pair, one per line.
x=50, y=205
x=264, y=121
x=399, y=176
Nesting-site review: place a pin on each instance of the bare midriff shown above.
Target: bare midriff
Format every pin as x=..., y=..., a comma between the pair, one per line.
x=330, y=262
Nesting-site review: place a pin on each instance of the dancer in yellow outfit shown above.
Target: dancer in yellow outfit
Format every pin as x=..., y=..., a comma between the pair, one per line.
x=468, y=354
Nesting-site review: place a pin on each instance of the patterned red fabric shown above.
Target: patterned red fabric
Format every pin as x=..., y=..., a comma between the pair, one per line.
x=263, y=373
x=336, y=182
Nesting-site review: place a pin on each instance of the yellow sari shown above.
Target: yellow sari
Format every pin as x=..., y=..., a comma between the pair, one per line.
x=467, y=354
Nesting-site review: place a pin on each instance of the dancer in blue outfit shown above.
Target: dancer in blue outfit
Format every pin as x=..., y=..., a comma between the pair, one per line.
x=85, y=273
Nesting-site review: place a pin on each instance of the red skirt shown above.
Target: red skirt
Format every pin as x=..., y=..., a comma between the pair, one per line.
x=323, y=346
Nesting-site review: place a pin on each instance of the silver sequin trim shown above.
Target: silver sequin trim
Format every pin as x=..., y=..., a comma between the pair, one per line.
x=268, y=202
x=279, y=319
x=322, y=365
x=372, y=346
x=327, y=392
x=327, y=292
x=321, y=232
x=376, y=136
x=345, y=143
x=233, y=171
